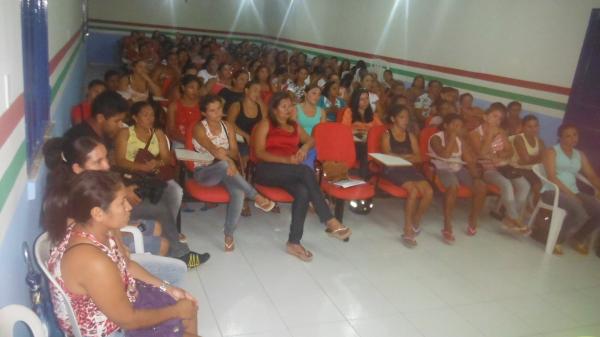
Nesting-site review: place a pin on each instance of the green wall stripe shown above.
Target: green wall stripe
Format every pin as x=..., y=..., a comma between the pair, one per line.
x=12, y=172
x=457, y=84
x=63, y=74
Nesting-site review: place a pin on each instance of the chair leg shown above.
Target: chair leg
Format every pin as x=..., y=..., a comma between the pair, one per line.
x=533, y=215
x=558, y=216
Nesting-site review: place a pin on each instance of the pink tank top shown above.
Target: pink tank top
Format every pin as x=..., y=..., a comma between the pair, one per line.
x=92, y=322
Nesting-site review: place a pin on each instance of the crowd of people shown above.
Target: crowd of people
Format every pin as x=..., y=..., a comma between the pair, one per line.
x=237, y=103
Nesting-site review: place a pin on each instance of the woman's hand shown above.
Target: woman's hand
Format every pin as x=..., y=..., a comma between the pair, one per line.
x=149, y=166
x=231, y=168
x=186, y=309
x=180, y=294
x=301, y=154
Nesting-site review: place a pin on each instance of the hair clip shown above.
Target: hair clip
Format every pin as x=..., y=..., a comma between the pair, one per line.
x=62, y=156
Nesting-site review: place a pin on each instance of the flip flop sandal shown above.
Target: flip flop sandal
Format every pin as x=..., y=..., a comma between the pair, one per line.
x=471, y=231
x=229, y=246
x=304, y=255
x=342, y=233
x=416, y=230
x=581, y=248
x=182, y=238
x=558, y=250
x=409, y=240
x=448, y=237
x=246, y=211
x=267, y=208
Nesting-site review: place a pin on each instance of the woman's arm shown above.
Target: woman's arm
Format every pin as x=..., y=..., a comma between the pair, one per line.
x=154, y=88
x=233, y=147
x=549, y=161
x=164, y=152
x=171, y=128
x=89, y=271
x=232, y=115
x=507, y=151
x=588, y=171
x=217, y=152
x=415, y=157
x=262, y=129
x=524, y=157
x=441, y=150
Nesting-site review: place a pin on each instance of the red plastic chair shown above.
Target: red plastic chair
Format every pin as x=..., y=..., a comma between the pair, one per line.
x=374, y=146
x=276, y=194
x=334, y=142
x=209, y=194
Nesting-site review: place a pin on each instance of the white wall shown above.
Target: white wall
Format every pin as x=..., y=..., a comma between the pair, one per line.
x=64, y=19
x=534, y=40
x=224, y=15
x=10, y=60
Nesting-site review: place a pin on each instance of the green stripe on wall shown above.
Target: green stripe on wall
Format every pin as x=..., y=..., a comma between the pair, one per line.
x=63, y=74
x=12, y=172
x=9, y=178
x=457, y=84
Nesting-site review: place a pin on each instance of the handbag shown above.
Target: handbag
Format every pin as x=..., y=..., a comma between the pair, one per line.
x=151, y=297
x=334, y=170
x=165, y=172
x=509, y=172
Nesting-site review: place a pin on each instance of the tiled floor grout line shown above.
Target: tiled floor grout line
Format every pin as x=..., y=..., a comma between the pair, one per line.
x=209, y=304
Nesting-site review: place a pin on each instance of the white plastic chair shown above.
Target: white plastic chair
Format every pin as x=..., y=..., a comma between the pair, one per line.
x=138, y=238
x=13, y=313
x=558, y=214
x=41, y=249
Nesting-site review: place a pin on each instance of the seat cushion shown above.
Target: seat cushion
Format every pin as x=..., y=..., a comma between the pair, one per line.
x=392, y=189
x=276, y=194
x=359, y=192
x=215, y=194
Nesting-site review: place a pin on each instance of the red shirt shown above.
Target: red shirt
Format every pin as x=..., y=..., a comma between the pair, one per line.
x=81, y=112
x=185, y=116
x=281, y=142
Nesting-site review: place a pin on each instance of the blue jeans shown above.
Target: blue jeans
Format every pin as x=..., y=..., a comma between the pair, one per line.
x=238, y=189
x=513, y=192
x=165, y=268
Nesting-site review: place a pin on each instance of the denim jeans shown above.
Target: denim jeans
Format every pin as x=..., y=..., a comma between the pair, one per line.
x=299, y=181
x=165, y=211
x=513, y=192
x=165, y=268
x=238, y=189
x=583, y=214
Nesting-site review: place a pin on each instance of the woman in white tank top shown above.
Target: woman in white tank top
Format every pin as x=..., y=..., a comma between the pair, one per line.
x=528, y=152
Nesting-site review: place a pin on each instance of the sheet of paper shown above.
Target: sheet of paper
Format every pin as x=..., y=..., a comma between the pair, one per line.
x=389, y=160
x=189, y=155
x=349, y=183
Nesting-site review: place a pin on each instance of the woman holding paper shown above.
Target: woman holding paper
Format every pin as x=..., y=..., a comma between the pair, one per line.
x=399, y=142
x=447, y=151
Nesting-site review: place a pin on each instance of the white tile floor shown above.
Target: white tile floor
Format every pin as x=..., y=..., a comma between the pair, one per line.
x=491, y=285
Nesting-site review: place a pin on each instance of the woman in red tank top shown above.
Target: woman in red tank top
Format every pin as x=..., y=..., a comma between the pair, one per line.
x=182, y=113
x=280, y=165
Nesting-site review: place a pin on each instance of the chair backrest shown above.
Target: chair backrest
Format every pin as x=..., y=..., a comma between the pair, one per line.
x=138, y=238
x=334, y=141
x=42, y=254
x=424, y=137
x=374, y=138
x=13, y=313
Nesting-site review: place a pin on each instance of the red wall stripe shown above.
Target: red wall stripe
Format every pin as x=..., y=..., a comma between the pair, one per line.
x=453, y=71
x=11, y=118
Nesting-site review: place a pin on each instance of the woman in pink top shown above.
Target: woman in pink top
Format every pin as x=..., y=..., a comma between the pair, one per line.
x=102, y=284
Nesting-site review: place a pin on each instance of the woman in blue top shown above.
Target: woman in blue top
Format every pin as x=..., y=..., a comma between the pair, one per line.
x=308, y=115
x=562, y=163
x=330, y=101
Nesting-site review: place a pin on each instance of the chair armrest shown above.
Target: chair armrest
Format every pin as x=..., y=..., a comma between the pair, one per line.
x=319, y=170
x=138, y=238
x=539, y=171
x=585, y=180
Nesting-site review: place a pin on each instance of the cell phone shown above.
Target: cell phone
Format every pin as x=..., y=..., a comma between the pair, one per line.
x=142, y=227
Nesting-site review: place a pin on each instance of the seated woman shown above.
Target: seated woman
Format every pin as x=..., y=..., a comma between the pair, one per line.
x=308, y=115
x=398, y=141
x=298, y=85
x=361, y=118
x=138, y=85
x=83, y=110
x=472, y=115
x=245, y=115
x=529, y=148
x=65, y=159
x=330, y=101
x=447, y=150
x=562, y=163
x=108, y=292
x=184, y=111
x=280, y=165
x=263, y=77
x=236, y=92
x=168, y=74
x=493, y=151
x=143, y=135
x=216, y=139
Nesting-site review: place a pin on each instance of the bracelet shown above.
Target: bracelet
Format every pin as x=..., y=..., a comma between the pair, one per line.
x=164, y=285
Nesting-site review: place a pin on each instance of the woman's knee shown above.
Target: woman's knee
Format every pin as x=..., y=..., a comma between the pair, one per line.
x=164, y=247
x=425, y=189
